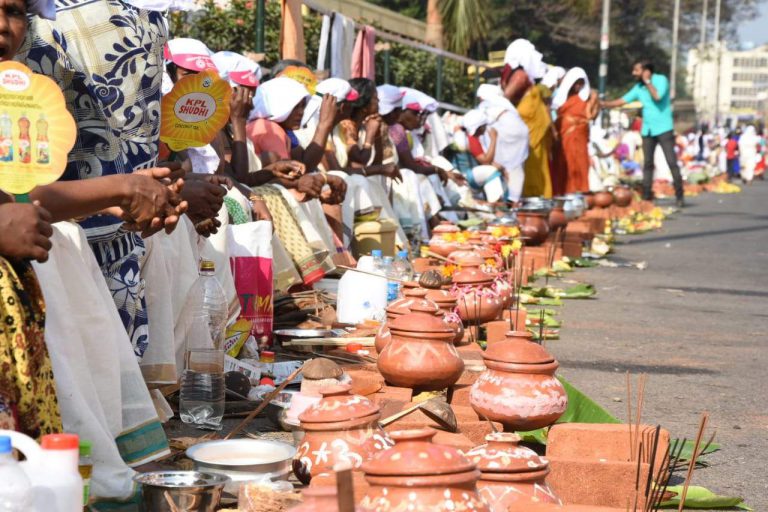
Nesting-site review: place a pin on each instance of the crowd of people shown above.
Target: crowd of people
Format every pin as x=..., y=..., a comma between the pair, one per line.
x=95, y=270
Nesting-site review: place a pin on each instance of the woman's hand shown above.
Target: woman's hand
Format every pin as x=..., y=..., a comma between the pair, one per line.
x=205, y=195
x=25, y=231
x=151, y=201
x=240, y=104
x=336, y=190
x=372, y=125
x=327, y=111
x=311, y=185
x=287, y=172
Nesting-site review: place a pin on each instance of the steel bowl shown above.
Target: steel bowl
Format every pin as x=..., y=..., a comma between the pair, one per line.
x=244, y=460
x=292, y=334
x=189, y=491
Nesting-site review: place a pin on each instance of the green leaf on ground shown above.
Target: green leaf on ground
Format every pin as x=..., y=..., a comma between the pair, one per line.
x=687, y=452
x=585, y=263
x=581, y=409
x=580, y=291
x=701, y=497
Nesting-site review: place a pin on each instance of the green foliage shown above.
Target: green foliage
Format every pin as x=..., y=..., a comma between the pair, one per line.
x=464, y=22
x=234, y=28
x=700, y=497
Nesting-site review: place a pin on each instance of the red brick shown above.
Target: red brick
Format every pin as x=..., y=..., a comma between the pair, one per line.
x=460, y=395
x=477, y=430
x=602, y=441
x=518, y=319
x=468, y=377
x=596, y=483
x=392, y=394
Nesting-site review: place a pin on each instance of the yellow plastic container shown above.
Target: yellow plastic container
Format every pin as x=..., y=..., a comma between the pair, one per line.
x=376, y=234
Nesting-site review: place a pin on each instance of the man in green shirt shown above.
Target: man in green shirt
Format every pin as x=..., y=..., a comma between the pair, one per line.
x=652, y=90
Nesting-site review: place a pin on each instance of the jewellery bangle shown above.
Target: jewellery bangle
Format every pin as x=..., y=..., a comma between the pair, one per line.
x=325, y=178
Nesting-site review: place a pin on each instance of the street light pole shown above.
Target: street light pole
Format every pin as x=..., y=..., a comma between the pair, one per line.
x=717, y=62
x=703, y=39
x=673, y=64
x=604, y=46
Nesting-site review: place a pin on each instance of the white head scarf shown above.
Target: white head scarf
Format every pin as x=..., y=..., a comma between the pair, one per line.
x=237, y=69
x=540, y=70
x=571, y=77
x=417, y=100
x=552, y=76
x=336, y=87
x=275, y=99
x=189, y=54
x=390, y=98
x=473, y=120
x=488, y=91
x=522, y=54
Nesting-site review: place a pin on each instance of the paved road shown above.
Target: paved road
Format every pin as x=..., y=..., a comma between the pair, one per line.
x=696, y=321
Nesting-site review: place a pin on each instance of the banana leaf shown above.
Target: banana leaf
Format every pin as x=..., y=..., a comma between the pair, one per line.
x=579, y=291
x=581, y=409
x=584, y=263
x=700, y=497
x=687, y=452
x=527, y=298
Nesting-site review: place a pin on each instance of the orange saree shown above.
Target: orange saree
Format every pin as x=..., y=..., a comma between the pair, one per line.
x=573, y=157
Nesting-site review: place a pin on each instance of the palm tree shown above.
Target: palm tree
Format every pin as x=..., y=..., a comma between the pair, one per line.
x=457, y=23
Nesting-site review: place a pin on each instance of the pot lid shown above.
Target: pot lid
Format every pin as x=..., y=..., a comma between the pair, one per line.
x=441, y=297
x=338, y=404
x=414, y=454
x=518, y=348
x=473, y=276
x=503, y=454
x=468, y=259
x=423, y=318
x=405, y=305
x=446, y=227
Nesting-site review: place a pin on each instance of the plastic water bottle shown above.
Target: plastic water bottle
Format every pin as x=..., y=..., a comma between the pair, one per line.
x=393, y=285
x=403, y=266
x=378, y=261
x=201, y=400
x=362, y=296
x=16, y=488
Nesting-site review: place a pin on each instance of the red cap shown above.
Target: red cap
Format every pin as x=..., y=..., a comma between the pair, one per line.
x=61, y=442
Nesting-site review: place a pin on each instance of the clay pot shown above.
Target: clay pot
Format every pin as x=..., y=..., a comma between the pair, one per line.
x=519, y=389
x=603, y=199
x=622, y=196
x=447, y=304
x=341, y=427
x=505, y=290
x=511, y=475
x=467, y=259
x=318, y=499
x=446, y=227
x=557, y=217
x=442, y=247
x=533, y=225
x=478, y=300
x=423, y=474
x=400, y=307
x=420, y=354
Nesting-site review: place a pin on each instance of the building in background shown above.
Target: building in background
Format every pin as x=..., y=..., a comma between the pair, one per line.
x=738, y=92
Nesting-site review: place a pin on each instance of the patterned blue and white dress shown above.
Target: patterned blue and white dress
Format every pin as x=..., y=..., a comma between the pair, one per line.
x=106, y=55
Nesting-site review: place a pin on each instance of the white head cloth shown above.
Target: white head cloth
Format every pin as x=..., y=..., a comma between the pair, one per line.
x=571, y=77
x=552, y=76
x=237, y=69
x=275, y=99
x=417, y=100
x=189, y=54
x=522, y=54
x=488, y=91
x=473, y=120
x=390, y=98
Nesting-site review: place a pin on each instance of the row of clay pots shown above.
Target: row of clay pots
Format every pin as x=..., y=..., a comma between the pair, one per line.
x=620, y=196
x=499, y=476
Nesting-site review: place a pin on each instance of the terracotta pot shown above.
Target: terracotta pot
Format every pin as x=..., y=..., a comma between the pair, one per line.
x=511, y=475
x=533, y=225
x=519, y=389
x=478, y=300
x=420, y=354
x=467, y=259
x=318, y=499
x=603, y=199
x=557, y=218
x=400, y=307
x=622, y=196
x=442, y=247
x=446, y=227
x=341, y=427
x=505, y=290
x=417, y=474
x=447, y=304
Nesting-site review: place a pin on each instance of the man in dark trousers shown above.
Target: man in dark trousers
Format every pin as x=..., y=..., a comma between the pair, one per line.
x=652, y=90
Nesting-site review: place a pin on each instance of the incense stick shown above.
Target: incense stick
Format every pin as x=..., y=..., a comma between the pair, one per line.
x=673, y=461
x=652, y=463
x=656, y=485
x=629, y=416
x=637, y=478
x=692, y=462
x=640, y=399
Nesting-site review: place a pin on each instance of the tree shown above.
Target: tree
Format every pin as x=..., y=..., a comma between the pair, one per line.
x=434, y=35
x=465, y=22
